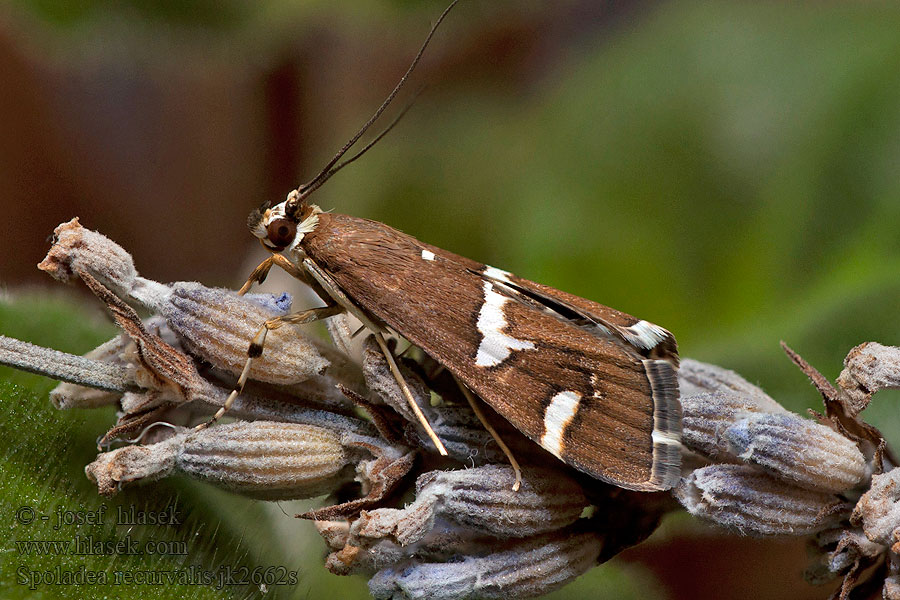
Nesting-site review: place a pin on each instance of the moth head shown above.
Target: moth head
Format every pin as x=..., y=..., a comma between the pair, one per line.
x=283, y=226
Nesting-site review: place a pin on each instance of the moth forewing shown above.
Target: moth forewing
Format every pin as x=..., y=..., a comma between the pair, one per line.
x=594, y=386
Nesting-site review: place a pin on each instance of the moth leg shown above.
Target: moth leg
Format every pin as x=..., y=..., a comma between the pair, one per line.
x=260, y=273
x=256, y=348
x=395, y=371
x=478, y=413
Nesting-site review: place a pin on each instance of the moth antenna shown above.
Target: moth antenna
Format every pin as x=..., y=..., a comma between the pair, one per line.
x=303, y=197
x=148, y=428
x=368, y=146
x=327, y=171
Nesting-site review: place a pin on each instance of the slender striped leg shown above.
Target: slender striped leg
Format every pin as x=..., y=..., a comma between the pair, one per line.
x=256, y=348
x=395, y=371
x=260, y=273
x=478, y=413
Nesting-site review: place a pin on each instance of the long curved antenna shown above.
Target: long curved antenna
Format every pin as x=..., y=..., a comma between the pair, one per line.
x=329, y=169
x=376, y=139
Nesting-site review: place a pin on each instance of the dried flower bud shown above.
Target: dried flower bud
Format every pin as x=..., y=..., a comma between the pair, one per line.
x=266, y=460
x=891, y=589
x=465, y=437
x=482, y=500
x=342, y=328
x=878, y=511
x=839, y=550
x=747, y=500
x=707, y=415
x=798, y=450
x=335, y=533
x=76, y=248
x=695, y=377
x=133, y=463
x=380, y=380
x=529, y=568
x=218, y=325
x=868, y=368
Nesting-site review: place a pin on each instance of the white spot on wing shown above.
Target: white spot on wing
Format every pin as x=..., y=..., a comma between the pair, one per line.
x=498, y=274
x=495, y=346
x=427, y=254
x=668, y=438
x=596, y=383
x=559, y=414
x=646, y=335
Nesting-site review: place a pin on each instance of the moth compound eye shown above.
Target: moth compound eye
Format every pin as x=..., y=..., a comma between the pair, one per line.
x=281, y=232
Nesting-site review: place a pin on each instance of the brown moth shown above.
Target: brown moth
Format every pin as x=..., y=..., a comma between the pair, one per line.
x=594, y=386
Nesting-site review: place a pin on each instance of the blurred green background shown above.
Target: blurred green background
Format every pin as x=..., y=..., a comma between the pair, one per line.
x=729, y=171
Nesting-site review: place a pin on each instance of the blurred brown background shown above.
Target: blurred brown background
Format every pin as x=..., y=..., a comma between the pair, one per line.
x=164, y=127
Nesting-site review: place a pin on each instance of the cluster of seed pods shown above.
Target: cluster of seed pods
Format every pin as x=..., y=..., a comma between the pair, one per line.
x=319, y=418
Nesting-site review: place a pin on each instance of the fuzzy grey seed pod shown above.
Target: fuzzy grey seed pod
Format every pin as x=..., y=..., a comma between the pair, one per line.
x=380, y=380
x=695, y=377
x=878, y=510
x=111, y=470
x=529, y=568
x=260, y=459
x=76, y=248
x=798, y=450
x=751, y=502
x=218, y=326
x=266, y=460
x=465, y=437
x=707, y=415
x=482, y=500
